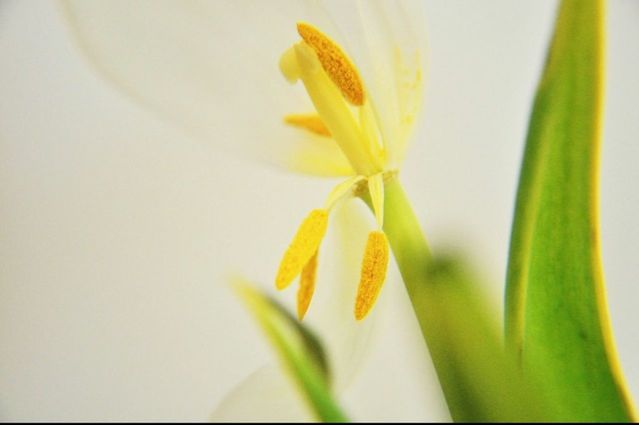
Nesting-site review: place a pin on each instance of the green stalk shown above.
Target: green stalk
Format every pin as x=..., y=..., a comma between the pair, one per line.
x=405, y=235
x=478, y=379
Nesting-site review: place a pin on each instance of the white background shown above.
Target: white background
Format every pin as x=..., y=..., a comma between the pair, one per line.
x=117, y=230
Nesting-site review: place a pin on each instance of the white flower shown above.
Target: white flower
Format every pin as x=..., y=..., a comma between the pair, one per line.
x=213, y=69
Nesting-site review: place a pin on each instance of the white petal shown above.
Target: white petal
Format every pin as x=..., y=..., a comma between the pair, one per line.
x=267, y=395
x=315, y=155
x=210, y=67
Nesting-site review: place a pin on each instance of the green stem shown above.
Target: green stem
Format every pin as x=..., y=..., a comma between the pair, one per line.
x=478, y=379
x=405, y=235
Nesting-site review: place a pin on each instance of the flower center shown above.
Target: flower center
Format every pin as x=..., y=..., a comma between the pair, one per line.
x=344, y=114
x=337, y=92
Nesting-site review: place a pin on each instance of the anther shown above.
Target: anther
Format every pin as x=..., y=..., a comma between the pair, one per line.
x=304, y=245
x=335, y=62
x=310, y=122
x=373, y=273
x=307, y=286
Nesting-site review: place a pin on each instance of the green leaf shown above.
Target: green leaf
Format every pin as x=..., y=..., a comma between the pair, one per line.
x=556, y=315
x=299, y=351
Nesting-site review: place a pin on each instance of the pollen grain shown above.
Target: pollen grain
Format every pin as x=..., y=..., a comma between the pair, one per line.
x=373, y=273
x=304, y=245
x=335, y=62
x=307, y=286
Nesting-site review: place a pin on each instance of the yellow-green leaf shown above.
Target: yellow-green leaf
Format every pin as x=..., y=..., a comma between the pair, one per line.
x=300, y=352
x=556, y=314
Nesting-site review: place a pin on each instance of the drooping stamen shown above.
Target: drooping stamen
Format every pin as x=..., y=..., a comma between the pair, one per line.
x=310, y=122
x=304, y=245
x=307, y=286
x=335, y=112
x=335, y=62
x=373, y=273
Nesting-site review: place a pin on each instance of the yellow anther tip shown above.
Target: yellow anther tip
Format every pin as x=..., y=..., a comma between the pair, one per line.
x=335, y=62
x=310, y=122
x=304, y=245
x=373, y=273
x=307, y=287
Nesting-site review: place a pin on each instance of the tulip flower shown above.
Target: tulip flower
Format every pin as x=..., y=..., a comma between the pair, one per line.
x=360, y=64
x=365, y=102
x=372, y=146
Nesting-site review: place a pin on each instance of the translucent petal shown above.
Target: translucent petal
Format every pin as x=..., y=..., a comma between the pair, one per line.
x=267, y=395
x=313, y=154
x=210, y=67
x=386, y=41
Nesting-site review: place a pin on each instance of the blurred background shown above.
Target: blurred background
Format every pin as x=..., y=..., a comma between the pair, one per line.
x=117, y=229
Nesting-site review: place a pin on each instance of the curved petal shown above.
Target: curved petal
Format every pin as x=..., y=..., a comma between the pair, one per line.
x=266, y=395
x=402, y=26
x=210, y=67
x=316, y=155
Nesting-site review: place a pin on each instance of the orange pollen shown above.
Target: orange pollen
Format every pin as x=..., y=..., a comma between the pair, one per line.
x=337, y=65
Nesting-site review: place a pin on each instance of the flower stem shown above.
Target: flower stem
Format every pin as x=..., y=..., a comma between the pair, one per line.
x=405, y=235
x=478, y=379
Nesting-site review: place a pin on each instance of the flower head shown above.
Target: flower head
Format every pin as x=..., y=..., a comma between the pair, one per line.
x=211, y=68
x=358, y=61
x=346, y=116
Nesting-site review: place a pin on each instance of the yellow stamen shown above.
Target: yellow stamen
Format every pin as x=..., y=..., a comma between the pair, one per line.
x=373, y=273
x=304, y=245
x=335, y=112
x=335, y=62
x=310, y=122
x=307, y=286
